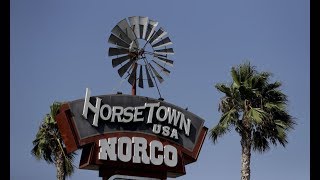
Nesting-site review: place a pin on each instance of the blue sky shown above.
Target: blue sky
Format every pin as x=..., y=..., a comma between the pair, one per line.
x=58, y=48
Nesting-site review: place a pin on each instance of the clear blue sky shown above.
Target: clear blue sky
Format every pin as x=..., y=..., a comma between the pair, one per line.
x=58, y=48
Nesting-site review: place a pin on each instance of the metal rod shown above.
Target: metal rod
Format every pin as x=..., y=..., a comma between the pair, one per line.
x=134, y=84
x=147, y=64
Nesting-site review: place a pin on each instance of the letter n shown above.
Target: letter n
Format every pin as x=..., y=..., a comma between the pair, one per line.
x=108, y=149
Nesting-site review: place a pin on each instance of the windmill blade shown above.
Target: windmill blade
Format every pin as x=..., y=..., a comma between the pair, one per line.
x=119, y=60
x=160, y=79
x=122, y=35
x=133, y=74
x=141, y=30
x=140, y=78
x=125, y=27
x=163, y=69
x=124, y=68
x=160, y=55
x=117, y=41
x=143, y=22
x=164, y=51
x=134, y=22
x=157, y=35
x=165, y=60
x=150, y=83
x=151, y=27
x=117, y=51
x=164, y=42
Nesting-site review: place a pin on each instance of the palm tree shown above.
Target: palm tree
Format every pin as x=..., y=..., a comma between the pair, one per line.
x=48, y=145
x=256, y=109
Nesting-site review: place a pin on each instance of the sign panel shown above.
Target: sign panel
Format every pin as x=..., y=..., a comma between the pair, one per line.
x=123, y=131
x=98, y=115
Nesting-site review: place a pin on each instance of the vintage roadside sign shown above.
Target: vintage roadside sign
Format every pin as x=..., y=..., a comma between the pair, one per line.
x=128, y=136
x=131, y=135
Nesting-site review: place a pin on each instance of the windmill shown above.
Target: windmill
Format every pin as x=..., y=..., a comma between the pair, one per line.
x=140, y=47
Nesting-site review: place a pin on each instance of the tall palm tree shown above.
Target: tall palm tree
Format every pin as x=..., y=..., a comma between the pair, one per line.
x=256, y=109
x=48, y=145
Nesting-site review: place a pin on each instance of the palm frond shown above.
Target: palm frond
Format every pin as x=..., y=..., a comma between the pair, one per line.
x=226, y=104
x=256, y=115
x=281, y=136
x=275, y=95
x=217, y=132
x=227, y=119
x=235, y=77
x=68, y=163
x=259, y=142
x=275, y=106
x=54, y=108
x=272, y=86
x=260, y=81
x=224, y=89
x=246, y=71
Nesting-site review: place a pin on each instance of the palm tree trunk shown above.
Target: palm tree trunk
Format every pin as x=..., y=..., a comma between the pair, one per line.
x=60, y=167
x=246, y=155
